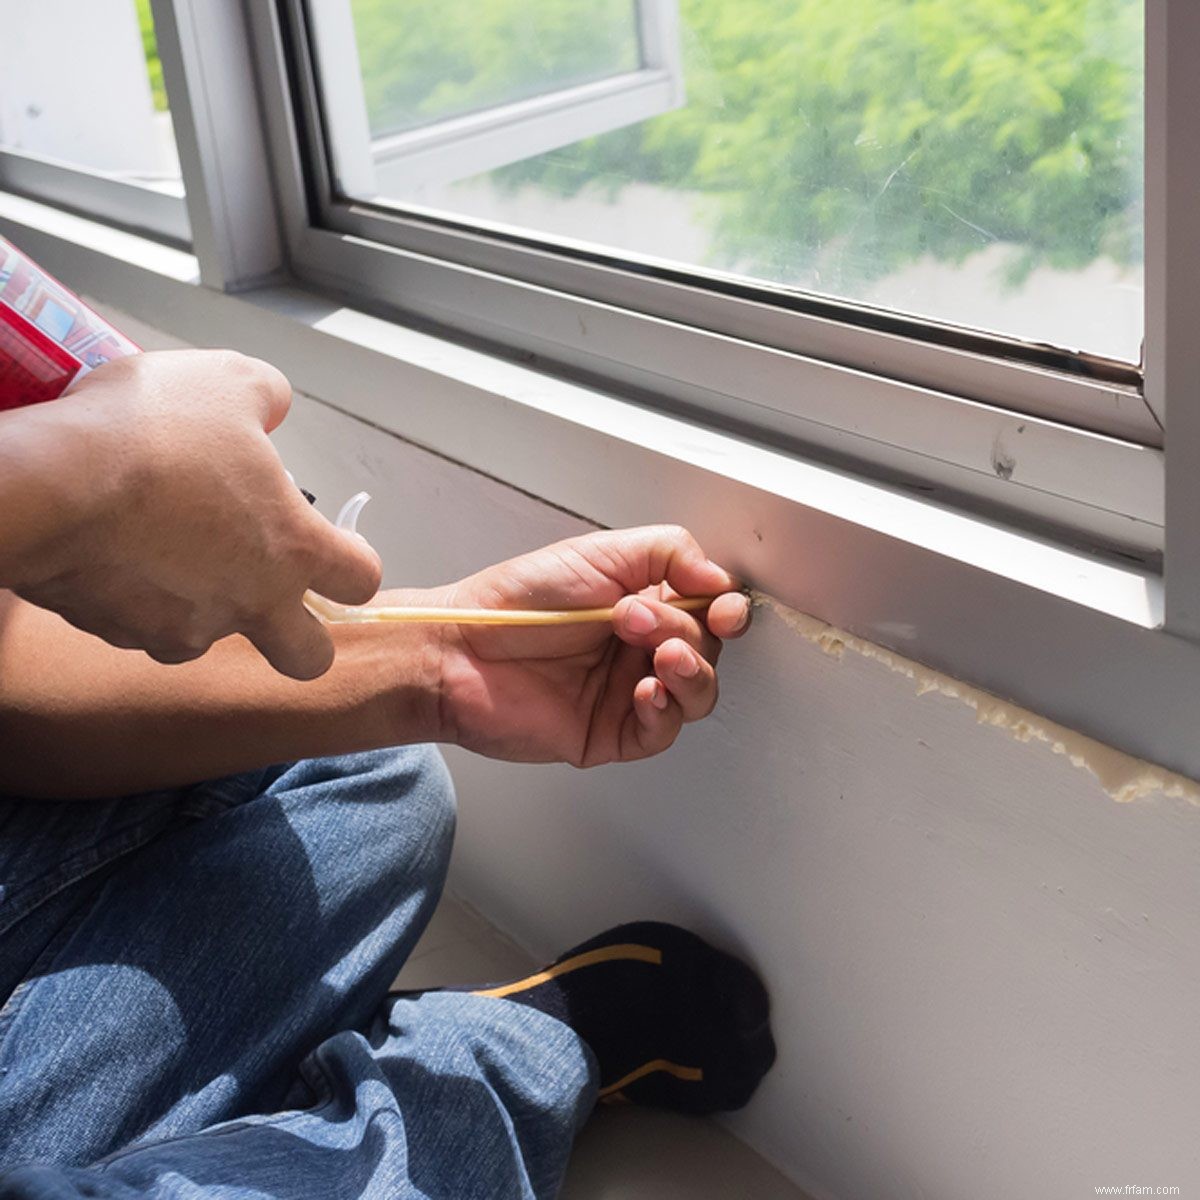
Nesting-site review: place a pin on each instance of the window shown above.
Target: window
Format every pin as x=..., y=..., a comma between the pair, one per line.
x=83, y=114
x=901, y=239
x=420, y=95
x=978, y=163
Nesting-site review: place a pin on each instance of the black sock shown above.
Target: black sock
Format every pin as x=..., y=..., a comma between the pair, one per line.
x=672, y=1021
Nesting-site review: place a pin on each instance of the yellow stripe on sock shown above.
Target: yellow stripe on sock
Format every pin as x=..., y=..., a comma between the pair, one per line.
x=630, y=951
x=689, y=1074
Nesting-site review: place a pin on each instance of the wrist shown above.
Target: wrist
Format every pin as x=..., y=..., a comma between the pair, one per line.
x=416, y=704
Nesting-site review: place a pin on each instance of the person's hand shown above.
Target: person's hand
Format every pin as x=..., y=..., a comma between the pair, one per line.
x=590, y=693
x=174, y=521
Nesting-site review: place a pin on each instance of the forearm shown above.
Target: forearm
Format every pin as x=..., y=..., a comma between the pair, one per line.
x=80, y=719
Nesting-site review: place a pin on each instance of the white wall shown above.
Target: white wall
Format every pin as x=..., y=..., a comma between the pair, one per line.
x=985, y=972
x=74, y=85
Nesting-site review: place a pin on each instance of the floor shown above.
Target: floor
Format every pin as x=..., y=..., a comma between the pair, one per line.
x=624, y=1153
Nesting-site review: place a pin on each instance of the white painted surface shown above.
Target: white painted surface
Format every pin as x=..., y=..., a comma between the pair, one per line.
x=984, y=970
x=74, y=86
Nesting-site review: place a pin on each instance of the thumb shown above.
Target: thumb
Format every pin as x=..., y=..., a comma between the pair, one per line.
x=348, y=570
x=294, y=642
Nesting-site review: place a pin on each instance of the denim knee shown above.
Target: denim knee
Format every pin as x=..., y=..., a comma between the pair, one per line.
x=393, y=810
x=218, y=955
x=416, y=788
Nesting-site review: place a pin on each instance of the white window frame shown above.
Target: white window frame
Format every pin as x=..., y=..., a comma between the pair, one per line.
x=781, y=436
x=156, y=210
x=409, y=162
x=838, y=381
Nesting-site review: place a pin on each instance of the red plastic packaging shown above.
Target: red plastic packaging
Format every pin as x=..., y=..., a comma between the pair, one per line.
x=48, y=336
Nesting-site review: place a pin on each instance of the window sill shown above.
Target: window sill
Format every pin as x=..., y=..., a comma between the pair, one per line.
x=1055, y=629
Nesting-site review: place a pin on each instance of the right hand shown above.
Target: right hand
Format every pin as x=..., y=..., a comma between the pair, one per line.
x=177, y=524
x=595, y=692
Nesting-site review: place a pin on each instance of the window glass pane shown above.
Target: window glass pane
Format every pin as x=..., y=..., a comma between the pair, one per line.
x=424, y=62
x=82, y=86
x=977, y=162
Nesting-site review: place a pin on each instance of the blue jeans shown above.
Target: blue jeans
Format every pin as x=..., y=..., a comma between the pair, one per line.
x=197, y=1002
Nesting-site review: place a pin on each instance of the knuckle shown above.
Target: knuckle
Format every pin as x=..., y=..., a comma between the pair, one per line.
x=291, y=558
x=250, y=376
x=678, y=534
x=267, y=377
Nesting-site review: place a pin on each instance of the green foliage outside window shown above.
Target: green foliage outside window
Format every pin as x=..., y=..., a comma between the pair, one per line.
x=153, y=64
x=425, y=61
x=850, y=136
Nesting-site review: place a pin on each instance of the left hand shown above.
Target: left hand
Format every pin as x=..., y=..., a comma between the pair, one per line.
x=590, y=693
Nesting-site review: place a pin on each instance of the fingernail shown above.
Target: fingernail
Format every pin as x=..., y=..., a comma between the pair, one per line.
x=640, y=619
x=687, y=665
x=744, y=618
x=659, y=696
